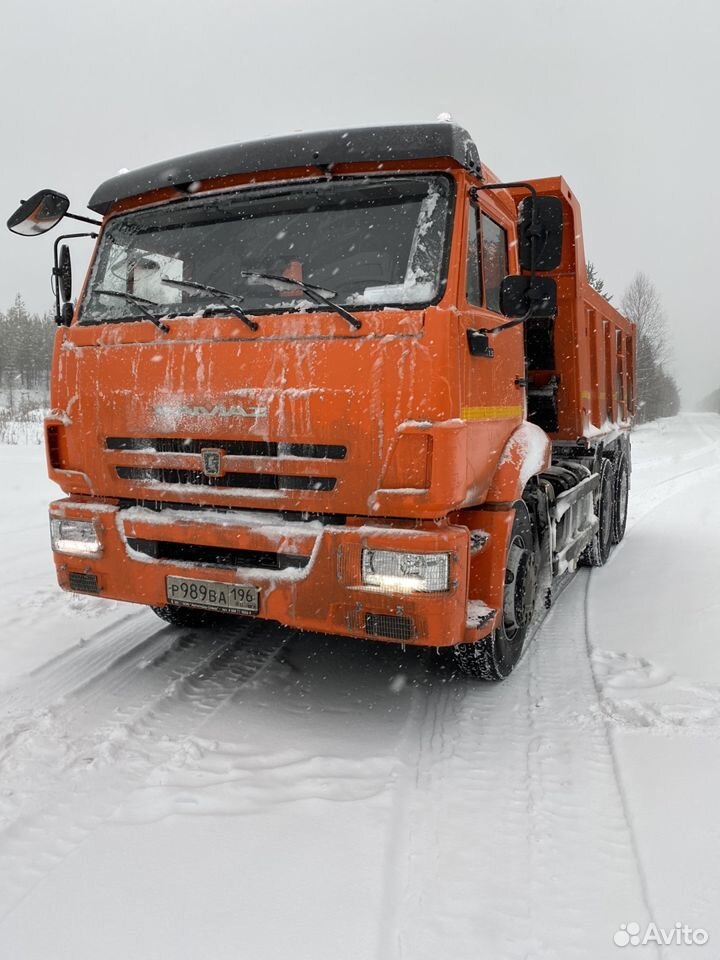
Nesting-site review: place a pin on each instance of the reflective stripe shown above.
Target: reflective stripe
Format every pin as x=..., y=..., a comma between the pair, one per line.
x=491, y=413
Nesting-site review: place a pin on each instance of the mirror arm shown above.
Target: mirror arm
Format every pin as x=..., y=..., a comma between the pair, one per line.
x=56, y=267
x=514, y=323
x=519, y=184
x=478, y=339
x=75, y=216
x=489, y=331
x=502, y=186
x=485, y=332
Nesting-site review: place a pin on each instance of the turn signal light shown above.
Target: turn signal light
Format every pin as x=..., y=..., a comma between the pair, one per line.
x=55, y=446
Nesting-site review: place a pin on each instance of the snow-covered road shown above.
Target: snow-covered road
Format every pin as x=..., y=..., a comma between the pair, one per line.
x=263, y=794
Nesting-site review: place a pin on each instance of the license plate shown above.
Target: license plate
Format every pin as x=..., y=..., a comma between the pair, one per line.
x=212, y=595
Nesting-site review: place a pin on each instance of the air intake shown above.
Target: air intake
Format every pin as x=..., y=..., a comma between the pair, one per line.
x=84, y=583
x=216, y=556
x=391, y=627
x=232, y=448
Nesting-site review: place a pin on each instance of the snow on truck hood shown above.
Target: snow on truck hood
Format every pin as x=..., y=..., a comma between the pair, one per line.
x=299, y=425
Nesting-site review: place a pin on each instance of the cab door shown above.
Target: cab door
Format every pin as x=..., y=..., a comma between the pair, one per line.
x=493, y=385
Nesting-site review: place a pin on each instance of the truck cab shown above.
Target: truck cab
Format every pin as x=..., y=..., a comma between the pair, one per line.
x=318, y=379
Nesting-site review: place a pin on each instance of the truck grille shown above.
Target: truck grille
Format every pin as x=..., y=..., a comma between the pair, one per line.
x=286, y=516
x=216, y=556
x=234, y=448
x=252, y=481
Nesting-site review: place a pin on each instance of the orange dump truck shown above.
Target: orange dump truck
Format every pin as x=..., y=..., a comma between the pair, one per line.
x=346, y=381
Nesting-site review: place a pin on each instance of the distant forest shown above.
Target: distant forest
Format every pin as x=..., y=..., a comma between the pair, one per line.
x=711, y=403
x=26, y=343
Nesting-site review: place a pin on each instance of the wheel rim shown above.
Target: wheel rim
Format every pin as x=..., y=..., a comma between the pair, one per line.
x=520, y=589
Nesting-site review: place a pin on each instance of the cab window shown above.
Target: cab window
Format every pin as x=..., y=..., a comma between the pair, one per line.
x=473, y=284
x=494, y=260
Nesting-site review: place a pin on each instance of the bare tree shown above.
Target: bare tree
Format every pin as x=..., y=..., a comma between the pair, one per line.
x=641, y=304
x=656, y=389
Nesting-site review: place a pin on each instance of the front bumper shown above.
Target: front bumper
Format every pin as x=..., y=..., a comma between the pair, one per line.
x=324, y=594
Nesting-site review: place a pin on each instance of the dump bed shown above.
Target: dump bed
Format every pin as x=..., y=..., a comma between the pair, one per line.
x=581, y=364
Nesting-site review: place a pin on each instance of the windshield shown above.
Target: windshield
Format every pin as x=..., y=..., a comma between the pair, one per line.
x=367, y=242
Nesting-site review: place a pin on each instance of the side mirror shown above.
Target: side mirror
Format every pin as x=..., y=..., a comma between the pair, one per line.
x=540, y=230
x=519, y=295
x=43, y=211
x=64, y=273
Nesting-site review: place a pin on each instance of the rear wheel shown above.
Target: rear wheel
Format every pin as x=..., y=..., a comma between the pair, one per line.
x=622, y=491
x=598, y=551
x=495, y=657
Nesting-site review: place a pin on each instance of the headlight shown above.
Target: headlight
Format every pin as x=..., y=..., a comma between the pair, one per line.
x=78, y=537
x=406, y=572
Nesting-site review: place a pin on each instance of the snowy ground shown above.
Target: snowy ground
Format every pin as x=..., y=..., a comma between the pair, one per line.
x=267, y=795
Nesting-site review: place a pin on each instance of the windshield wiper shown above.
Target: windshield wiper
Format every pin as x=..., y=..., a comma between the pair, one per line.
x=137, y=302
x=310, y=289
x=206, y=288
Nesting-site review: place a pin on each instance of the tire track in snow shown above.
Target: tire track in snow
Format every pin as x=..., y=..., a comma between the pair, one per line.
x=70, y=670
x=669, y=488
x=663, y=490
x=423, y=744
x=68, y=772
x=651, y=698
x=517, y=837
x=104, y=687
x=615, y=761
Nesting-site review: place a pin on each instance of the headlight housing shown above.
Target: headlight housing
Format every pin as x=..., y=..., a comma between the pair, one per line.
x=76, y=537
x=398, y=572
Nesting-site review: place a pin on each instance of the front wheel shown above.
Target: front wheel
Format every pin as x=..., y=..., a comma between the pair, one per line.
x=495, y=657
x=190, y=616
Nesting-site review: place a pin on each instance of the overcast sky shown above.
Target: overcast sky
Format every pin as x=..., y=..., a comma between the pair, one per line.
x=619, y=96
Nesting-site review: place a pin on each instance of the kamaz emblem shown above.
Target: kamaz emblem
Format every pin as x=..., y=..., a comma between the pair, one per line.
x=219, y=410
x=212, y=462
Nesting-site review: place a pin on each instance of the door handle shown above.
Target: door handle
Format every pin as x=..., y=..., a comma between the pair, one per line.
x=479, y=343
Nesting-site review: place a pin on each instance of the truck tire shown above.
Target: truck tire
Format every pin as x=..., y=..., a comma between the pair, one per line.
x=189, y=616
x=620, y=508
x=597, y=553
x=495, y=657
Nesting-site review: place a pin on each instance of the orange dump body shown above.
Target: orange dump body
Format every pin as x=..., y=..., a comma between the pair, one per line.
x=332, y=440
